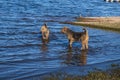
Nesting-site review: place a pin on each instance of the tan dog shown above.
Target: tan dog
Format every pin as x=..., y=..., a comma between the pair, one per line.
x=45, y=32
x=77, y=36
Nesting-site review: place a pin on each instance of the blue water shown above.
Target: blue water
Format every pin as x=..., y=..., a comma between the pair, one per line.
x=22, y=53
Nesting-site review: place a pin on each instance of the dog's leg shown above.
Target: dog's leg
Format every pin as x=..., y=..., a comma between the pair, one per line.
x=70, y=43
x=83, y=46
x=86, y=45
x=47, y=34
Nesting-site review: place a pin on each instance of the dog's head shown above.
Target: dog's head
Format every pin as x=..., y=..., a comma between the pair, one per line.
x=64, y=30
x=44, y=28
x=45, y=31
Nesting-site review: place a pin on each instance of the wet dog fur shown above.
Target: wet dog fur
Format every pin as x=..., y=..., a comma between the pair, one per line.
x=77, y=36
x=45, y=32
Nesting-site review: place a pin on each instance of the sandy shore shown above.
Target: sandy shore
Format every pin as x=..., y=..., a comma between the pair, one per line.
x=99, y=19
x=108, y=23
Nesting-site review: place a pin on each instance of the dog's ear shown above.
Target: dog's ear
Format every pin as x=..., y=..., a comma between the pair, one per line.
x=45, y=25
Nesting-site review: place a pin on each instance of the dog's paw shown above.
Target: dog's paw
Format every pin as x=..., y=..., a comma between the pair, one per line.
x=82, y=48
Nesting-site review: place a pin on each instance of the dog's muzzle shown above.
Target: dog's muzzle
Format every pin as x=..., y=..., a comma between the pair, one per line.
x=62, y=31
x=44, y=35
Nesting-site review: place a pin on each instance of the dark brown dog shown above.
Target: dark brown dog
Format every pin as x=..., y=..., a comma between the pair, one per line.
x=77, y=36
x=45, y=32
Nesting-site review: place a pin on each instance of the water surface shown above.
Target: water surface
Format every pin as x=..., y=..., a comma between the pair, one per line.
x=22, y=52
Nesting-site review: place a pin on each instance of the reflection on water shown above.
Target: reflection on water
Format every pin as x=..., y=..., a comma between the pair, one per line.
x=69, y=57
x=44, y=45
x=45, y=41
x=77, y=57
x=83, y=57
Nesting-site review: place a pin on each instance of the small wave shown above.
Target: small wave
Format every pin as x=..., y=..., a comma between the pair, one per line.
x=17, y=33
x=18, y=46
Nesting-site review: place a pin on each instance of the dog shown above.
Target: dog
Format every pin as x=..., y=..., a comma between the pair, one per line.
x=45, y=32
x=76, y=36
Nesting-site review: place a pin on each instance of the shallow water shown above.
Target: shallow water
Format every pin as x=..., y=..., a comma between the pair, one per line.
x=22, y=52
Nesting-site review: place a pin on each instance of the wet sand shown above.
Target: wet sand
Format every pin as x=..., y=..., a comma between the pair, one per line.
x=108, y=23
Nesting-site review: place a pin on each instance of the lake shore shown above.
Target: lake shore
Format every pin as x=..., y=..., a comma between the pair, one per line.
x=77, y=70
x=107, y=23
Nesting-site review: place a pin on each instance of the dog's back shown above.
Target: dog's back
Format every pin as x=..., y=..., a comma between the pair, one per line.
x=78, y=35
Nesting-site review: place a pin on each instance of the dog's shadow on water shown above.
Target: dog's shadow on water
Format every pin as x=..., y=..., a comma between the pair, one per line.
x=76, y=57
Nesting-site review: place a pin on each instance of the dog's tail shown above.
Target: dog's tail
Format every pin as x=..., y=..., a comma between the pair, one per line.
x=85, y=30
